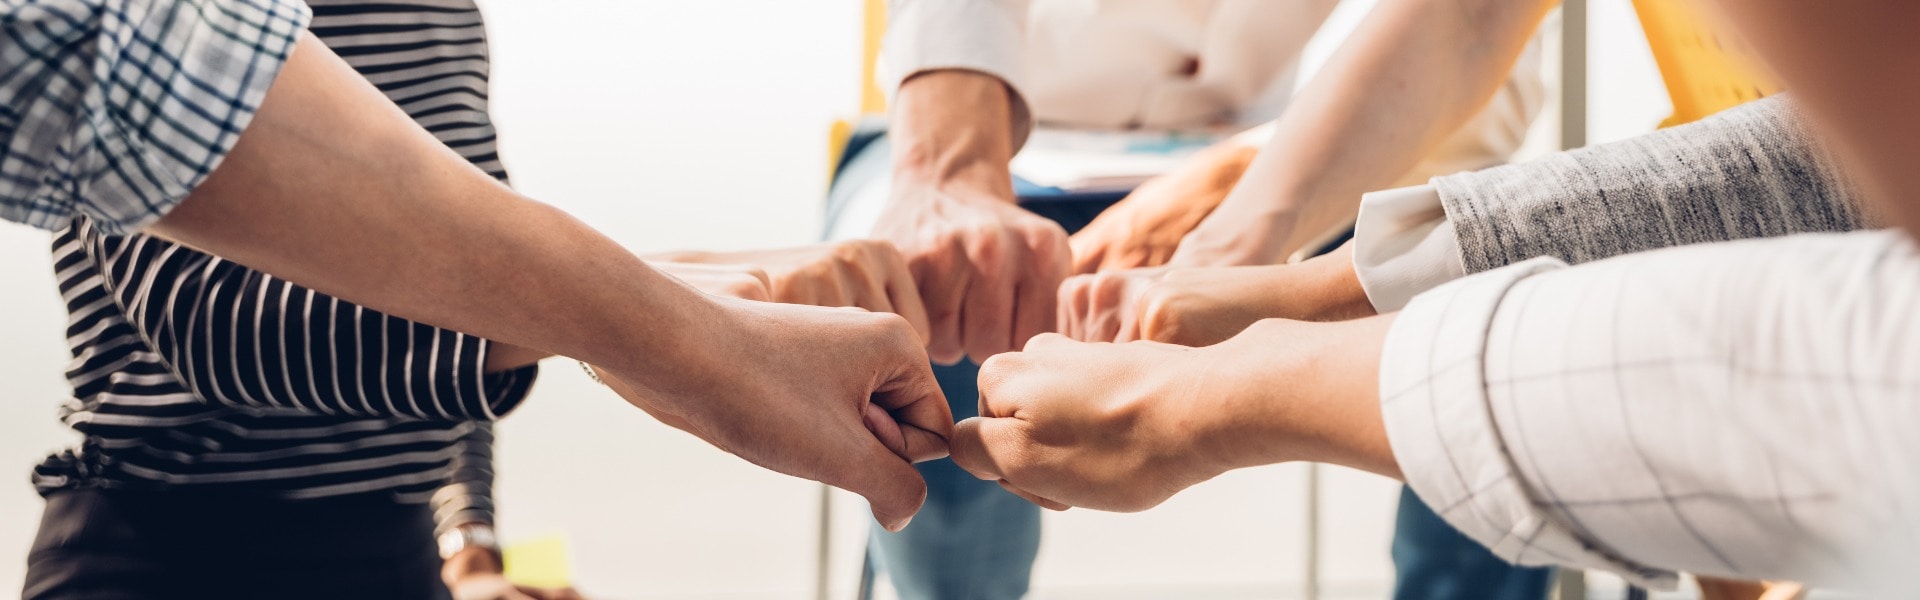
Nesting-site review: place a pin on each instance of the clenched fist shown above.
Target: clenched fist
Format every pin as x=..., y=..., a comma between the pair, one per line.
x=868, y=410
x=1104, y=426
x=987, y=269
x=1123, y=427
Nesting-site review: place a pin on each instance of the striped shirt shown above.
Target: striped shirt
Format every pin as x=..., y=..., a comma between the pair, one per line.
x=191, y=371
x=116, y=109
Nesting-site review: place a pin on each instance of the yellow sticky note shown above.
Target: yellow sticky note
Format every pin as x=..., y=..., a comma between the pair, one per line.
x=539, y=562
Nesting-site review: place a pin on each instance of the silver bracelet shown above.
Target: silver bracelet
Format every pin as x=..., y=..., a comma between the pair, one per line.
x=590, y=374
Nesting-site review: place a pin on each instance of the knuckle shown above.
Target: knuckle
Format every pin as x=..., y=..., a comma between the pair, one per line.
x=1044, y=340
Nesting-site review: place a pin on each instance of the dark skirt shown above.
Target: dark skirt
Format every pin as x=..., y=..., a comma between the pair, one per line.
x=151, y=545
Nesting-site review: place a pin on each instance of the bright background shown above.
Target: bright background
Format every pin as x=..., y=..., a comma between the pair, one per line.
x=673, y=124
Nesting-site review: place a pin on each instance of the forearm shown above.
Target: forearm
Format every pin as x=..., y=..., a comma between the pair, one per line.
x=951, y=129
x=333, y=187
x=1299, y=391
x=1414, y=72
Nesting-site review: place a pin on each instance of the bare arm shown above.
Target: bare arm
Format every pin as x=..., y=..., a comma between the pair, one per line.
x=1415, y=71
x=986, y=268
x=333, y=187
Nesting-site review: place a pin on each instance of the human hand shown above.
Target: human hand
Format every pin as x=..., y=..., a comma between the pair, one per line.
x=1145, y=228
x=1104, y=426
x=1100, y=307
x=867, y=274
x=1204, y=306
x=835, y=395
x=1123, y=427
x=743, y=281
x=987, y=269
x=476, y=574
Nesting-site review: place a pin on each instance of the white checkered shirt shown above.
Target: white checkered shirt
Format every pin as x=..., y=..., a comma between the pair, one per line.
x=117, y=109
x=1744, y=409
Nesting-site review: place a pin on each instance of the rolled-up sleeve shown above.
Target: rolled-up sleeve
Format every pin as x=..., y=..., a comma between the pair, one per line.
x=241, y=338
x=1742, y=409
x=988, y=36
x=1403, y=245
x=117, y=109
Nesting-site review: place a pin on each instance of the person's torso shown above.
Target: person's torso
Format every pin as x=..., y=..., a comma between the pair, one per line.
x=1162, y=64
x=1200, y=64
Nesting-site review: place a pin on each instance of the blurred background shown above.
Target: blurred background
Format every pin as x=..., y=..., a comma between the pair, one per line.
x=671, y=124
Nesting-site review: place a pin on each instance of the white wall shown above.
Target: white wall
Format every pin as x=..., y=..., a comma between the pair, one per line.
x=673, y=124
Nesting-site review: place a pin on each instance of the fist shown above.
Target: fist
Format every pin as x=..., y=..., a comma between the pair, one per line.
x=1103, y=426
x=1145, y=228
x=986, y=269
x=1100, y=307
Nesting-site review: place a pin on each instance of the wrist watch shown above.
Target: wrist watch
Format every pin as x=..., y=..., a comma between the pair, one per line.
x=468, y=536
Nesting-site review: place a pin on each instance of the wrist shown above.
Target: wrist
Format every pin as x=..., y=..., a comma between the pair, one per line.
x=963, y=179
x=1333, y=287
x=952, y=130
x=1296, y=391
x=1230, y=238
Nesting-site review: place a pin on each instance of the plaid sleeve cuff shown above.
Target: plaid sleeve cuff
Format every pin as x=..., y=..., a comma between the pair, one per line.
x=1434, y=400
x=120, y=108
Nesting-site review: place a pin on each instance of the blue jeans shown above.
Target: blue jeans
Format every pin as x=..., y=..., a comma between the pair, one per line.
x=1436, y=562
x=972, y=540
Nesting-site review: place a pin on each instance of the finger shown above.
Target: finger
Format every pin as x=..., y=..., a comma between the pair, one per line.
x=1102, y=322
x=980, y=444
x=903, y=295
x=986, y=321
x=766, y=282
x=893, y=489
x=1088, y=251
x=1035, y=307
x=871, y=294
x=1128, y=317
x=913, y=401
x=1028, y=496
x=941, y=292
x=1072, y=292
x=910, y=443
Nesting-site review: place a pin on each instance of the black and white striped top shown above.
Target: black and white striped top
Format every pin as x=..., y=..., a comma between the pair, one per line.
x=192, y=372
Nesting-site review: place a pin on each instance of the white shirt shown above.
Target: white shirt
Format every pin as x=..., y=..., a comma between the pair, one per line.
x=1403, y=245
x=1123, y=64
x=1743, y=409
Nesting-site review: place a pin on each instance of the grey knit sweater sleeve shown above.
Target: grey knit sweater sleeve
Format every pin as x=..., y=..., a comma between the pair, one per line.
x=1748, y=172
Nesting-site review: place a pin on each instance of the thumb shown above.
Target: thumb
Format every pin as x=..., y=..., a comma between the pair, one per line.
x=908, y=442
x=912, y=402
x=891, y=486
